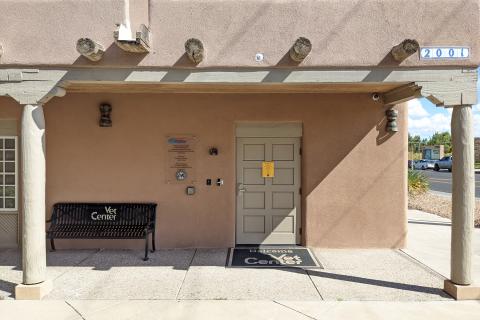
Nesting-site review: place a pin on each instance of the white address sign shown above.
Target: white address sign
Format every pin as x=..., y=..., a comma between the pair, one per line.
x=433, y=53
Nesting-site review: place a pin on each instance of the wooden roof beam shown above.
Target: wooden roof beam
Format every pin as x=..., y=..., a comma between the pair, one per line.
x=90, y=49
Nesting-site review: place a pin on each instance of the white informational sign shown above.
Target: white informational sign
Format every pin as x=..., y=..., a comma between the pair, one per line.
x=181, y=158
x=440, y=53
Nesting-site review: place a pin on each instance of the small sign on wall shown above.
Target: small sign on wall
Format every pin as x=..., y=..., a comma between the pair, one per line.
x=181, y=158
x=268, y=169
x=444, y=53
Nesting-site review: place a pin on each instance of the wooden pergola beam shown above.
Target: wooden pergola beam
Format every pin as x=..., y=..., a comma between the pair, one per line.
x=300, y=49
x=405, y=49
x=402, y=94
x=194, y=50
x=90, y=49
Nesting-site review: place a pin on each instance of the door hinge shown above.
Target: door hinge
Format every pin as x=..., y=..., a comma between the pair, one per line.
x=300, y=151
x=300, y=191
x=300, y=230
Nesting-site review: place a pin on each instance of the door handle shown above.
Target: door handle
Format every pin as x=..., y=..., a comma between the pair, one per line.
x=240, y=187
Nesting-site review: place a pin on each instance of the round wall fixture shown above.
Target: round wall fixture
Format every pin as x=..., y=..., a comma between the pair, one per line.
x=181, y=175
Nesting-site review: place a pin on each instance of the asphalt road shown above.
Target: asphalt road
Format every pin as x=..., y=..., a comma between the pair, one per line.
x=442, y=181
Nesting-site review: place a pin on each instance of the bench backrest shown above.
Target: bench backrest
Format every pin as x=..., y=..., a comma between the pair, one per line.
x=118, y=214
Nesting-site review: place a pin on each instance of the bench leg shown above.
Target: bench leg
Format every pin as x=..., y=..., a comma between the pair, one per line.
x=52, y=244
x=153, y=241
x=146, y=247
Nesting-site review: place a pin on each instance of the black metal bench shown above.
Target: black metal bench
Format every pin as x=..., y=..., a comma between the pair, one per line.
x=103, y=221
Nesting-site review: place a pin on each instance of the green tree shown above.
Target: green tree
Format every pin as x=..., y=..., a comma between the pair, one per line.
x=415, y=143
x=441, y=138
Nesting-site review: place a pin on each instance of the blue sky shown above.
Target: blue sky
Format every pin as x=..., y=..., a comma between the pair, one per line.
x=424, y=118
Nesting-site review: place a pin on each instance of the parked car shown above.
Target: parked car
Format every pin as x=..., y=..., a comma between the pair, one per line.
x=444, y=163
x=423, y=164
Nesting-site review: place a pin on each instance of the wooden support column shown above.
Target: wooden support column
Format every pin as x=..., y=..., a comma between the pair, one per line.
x=463, y=205
x=33, y=207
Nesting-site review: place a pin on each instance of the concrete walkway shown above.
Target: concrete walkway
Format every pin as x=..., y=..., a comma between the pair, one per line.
x=195, y=284
x=429, y=242
x=387, y=275
x=237, y=309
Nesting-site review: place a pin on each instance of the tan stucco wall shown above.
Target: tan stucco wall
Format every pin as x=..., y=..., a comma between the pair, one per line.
x=343, y=33
x=354, y=188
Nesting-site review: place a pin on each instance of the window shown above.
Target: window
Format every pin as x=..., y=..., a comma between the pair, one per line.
x=8, y=174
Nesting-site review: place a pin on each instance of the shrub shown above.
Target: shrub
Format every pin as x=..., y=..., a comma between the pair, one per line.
x=417, y=182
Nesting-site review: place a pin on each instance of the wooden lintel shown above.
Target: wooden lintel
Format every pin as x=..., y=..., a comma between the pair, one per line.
x=402, y=94
x=442, y=86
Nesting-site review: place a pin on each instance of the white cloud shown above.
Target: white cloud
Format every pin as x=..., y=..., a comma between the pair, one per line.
x=415, y=109
x=428, y=125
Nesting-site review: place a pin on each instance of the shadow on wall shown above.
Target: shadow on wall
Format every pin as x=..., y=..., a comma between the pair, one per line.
x=350, y=188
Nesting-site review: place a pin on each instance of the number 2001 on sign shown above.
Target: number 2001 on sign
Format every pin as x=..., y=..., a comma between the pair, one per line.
x=431, y=53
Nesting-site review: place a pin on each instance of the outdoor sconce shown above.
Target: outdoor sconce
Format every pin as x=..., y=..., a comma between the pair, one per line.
x=90, y=49
x=194, y=50
x=405, y=49
x=105, y=111
x=213, y=151
x=300, y=49
x=1, y=51
x=392, y=115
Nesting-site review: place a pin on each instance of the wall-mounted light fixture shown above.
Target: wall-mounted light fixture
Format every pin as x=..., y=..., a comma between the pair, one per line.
x=105, y=111
x=392, y=115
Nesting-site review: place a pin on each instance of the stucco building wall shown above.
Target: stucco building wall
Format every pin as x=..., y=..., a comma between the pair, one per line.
x=353, y=172
x=343, y=33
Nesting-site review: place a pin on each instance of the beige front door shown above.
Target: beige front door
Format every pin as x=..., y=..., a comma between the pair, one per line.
x=268, y=208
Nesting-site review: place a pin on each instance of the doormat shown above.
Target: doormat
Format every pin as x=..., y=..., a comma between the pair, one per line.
x=272, y=257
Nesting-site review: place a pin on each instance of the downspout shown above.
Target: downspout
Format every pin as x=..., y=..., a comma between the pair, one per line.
x=125, y=30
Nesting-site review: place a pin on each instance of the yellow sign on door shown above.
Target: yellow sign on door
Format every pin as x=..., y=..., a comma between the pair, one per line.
x=268, y=169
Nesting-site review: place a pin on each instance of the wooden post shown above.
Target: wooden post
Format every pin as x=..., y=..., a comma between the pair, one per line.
x=300, y=49
x=461, y=284
x=463, y=194
x=194, y=50
x=33, y=182
x=405, y=49
x=90, y=49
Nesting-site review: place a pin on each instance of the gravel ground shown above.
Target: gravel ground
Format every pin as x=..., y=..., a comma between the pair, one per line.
x=439, y=205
